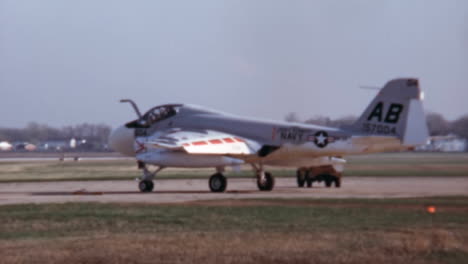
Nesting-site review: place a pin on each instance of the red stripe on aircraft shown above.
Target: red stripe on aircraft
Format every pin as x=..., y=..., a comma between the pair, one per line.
x=215, y=141
x=239, y=140
x=199, y=143
x=228, y=140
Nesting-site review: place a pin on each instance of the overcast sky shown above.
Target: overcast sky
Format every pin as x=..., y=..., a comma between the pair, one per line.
x=67, y=62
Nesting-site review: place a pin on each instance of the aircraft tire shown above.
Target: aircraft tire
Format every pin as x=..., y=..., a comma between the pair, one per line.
x=301, y=178
x=309, y=179
x=217, y=182
x=266, y=185
x=146, y=186
x=328, y=180
x=337, y=182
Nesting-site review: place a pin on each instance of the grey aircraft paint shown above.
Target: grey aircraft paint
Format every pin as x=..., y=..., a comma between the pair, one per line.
x=180, y=135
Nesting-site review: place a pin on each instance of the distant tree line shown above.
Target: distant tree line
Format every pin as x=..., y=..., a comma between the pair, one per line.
x=436, y=123
x=439, y=126
x=342, y=122
x=96, y=135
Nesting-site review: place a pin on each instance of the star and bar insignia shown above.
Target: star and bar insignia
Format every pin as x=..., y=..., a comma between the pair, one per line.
x=321, y=139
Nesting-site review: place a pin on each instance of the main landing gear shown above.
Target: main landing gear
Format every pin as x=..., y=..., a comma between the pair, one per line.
x=265, y=180
x=218, y=182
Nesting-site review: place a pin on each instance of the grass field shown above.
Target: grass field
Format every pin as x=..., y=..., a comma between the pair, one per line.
x=233, y=231
x=238, y=231
x=398, y=164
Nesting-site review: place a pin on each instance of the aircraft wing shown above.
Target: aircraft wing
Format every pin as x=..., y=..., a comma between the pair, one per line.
x=200, y=142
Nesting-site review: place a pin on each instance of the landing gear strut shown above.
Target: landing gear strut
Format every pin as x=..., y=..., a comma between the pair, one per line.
x=146, y=183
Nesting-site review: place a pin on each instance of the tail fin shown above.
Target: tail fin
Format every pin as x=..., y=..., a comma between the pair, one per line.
x=396, y=111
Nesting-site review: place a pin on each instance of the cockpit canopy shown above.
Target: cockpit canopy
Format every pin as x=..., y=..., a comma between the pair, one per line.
x=155, y=115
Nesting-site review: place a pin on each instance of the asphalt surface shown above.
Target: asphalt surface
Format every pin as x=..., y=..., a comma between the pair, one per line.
x=180, y=191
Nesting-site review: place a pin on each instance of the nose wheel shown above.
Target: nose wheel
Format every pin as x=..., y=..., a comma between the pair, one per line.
x=146, y=186
x=146, y=181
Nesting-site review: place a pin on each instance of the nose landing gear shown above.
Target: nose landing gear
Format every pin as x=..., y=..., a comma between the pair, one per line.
x=146, y=186
x=146, y=182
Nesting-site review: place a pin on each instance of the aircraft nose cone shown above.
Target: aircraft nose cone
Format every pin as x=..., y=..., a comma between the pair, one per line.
x=122, y=139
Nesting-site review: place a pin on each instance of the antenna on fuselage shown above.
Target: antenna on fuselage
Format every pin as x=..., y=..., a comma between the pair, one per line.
x=367, y=87
x=135, y=107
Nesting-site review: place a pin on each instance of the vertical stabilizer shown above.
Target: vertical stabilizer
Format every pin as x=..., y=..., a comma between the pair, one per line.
x=396, y=111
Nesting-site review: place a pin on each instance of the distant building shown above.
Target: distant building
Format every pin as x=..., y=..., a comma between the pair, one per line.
x=54, y=145
x=24, y=146
x=73, y=143
x=64, y=145
x=450, y=143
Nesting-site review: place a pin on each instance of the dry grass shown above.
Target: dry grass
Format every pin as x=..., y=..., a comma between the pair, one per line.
x=403, y=246
x=257, y=231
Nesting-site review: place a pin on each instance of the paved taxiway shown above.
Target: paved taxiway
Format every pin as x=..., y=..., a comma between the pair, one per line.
x=186, y=190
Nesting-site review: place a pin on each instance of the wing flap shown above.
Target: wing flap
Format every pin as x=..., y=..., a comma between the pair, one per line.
x=225, y=145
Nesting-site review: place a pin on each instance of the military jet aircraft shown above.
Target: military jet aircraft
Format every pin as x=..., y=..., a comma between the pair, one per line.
x=180, y=135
